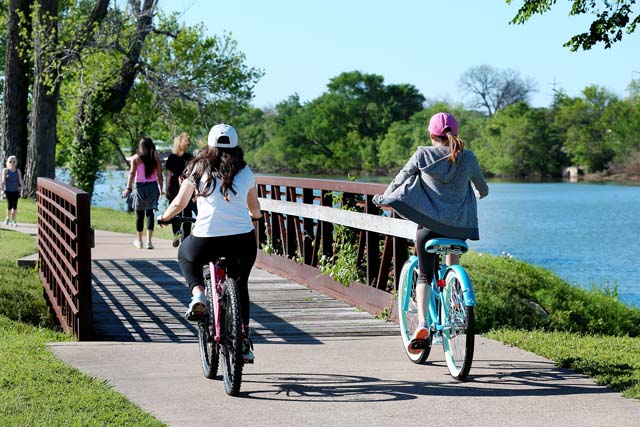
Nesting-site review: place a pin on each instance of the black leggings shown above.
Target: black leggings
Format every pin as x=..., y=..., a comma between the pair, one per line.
x=12, y=199
x=240, y=251
x=426, y=261
x=140, y=219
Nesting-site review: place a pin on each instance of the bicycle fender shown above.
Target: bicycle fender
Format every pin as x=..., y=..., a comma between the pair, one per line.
x=413, y=263
x=467, y=288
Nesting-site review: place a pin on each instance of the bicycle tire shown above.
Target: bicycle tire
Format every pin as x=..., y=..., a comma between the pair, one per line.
x=209, y=349
x=408, y=319
x=458, y=335
x=231, y=339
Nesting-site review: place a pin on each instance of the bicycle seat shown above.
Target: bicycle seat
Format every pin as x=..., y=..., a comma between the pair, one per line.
x=446, y=246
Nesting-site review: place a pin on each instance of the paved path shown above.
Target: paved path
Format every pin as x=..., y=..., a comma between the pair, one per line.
x=316, y=376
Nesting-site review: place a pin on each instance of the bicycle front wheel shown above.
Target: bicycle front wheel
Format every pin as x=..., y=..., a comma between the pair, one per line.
x=231, y=340
x=408, y=312
x=458, y=334
x=209, y=351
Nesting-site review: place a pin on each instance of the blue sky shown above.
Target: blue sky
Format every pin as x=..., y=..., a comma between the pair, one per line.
x=301, y=45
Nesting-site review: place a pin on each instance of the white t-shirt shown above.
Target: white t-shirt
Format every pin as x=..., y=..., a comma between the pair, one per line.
x=218, y=217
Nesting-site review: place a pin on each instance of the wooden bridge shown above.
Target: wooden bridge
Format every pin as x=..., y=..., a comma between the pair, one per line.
x=101, y=290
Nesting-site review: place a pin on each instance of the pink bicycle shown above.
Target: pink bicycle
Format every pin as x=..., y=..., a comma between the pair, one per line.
x=221, y=332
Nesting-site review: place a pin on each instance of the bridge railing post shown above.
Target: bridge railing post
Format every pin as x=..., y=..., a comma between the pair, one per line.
x=301, y=231
x=64, y=249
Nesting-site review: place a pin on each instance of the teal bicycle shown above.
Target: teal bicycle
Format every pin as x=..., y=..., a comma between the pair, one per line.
x=450, y=315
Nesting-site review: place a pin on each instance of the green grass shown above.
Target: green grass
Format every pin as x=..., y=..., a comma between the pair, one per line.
x=517, y=295
x=20, y=289
x=37, y=389
x=611, y=361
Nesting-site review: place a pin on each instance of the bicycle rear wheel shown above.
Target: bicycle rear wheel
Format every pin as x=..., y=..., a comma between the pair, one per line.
x=408, y=317
x=458, y=335
x=231, y=342
x=209, y=350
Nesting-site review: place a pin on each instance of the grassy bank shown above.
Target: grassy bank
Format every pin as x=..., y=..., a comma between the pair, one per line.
x=37, y=389
x=591, y=332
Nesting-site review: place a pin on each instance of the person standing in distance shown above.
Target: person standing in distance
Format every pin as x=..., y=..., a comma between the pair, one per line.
x=11, y=185
x=227, y=201
x=437, y=189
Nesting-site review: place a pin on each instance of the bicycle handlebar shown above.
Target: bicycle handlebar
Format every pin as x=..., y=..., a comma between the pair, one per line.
x=178, y=219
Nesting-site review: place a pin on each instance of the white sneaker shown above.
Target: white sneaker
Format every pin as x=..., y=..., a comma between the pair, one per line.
x=197, y=308
x=14, y=224
x=137, y=244
x=149, y=244
x=6, y=221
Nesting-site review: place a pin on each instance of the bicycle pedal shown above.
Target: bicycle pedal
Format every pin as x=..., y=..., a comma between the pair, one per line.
x=418, y=344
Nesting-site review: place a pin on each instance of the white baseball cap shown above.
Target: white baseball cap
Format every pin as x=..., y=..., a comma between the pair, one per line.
x=222, y=130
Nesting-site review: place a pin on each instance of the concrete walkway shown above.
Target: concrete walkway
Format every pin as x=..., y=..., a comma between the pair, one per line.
x=340, y=381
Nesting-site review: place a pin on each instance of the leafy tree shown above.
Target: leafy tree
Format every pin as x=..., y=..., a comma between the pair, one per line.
x=612, y=18
x=588, y=138
x=494, y=89
x=53, y=51
x=337, y=132
x=176, y=76
x=516, y=142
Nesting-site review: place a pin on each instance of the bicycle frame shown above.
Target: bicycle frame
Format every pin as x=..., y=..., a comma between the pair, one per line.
x=218, y=276
x=437, y=284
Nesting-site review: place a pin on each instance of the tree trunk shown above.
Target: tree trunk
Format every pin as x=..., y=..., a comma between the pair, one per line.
x=106, y=100
x=46, y=89
x=15, y=106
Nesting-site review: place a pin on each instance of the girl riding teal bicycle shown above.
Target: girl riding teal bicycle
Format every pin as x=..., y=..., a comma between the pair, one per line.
x=437, y=189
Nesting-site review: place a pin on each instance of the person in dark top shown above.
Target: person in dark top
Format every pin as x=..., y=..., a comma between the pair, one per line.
x=11, y=184
x=175, y=165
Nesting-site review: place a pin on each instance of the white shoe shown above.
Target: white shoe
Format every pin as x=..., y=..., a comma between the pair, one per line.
x=14, y=224
x=6, y=221
x=137, y=244
x=149, y=244
x=197, y=308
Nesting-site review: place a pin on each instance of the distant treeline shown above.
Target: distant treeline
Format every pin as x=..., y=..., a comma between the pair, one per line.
x=362, y=126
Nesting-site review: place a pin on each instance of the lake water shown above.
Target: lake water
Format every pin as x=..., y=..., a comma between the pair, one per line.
x=589, y=234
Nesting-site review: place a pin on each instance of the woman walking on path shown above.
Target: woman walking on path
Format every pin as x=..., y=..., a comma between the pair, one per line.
x=174, y=166
x=437, y=190
x=146, y=172
x=11, y=185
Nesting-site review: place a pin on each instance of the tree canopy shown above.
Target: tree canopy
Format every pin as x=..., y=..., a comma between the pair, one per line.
x=613, y=18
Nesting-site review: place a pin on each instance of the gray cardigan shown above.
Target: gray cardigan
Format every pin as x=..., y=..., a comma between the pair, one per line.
x=437, y=194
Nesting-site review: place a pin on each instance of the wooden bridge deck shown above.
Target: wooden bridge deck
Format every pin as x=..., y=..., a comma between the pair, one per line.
x=144, y=300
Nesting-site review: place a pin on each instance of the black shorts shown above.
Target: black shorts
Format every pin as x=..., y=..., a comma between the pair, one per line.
x=12, y=199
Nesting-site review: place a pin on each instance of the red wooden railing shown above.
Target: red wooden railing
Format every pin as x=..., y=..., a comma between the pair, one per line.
x=64, y=249
x=300, y=218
